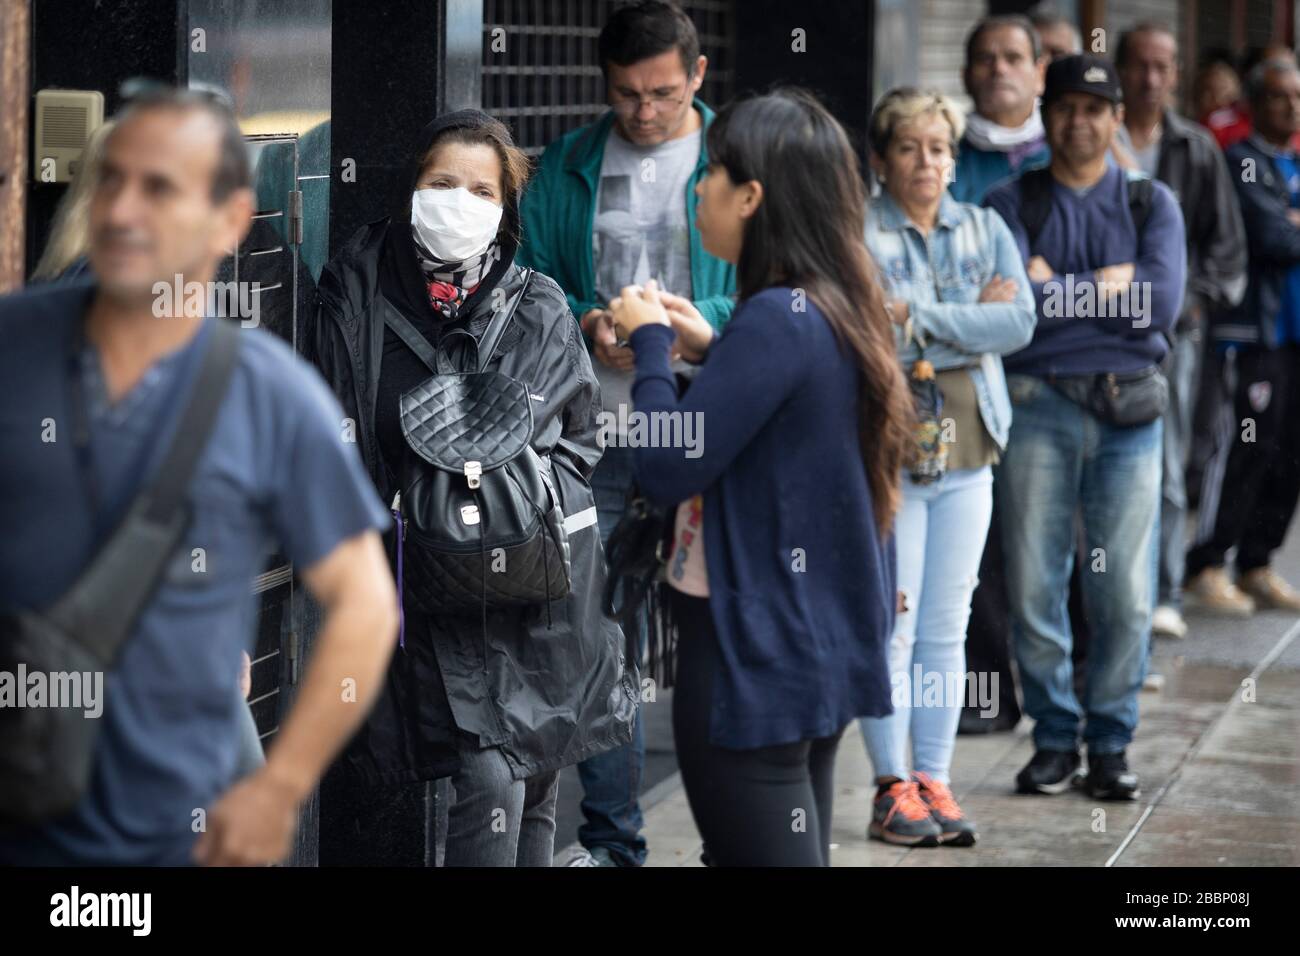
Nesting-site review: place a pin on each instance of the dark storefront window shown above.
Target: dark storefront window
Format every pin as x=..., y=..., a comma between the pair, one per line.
x=272, y=58
x=547, y=80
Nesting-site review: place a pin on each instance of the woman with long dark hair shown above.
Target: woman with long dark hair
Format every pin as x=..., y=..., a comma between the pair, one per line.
x=783, y=557
x=498, y=699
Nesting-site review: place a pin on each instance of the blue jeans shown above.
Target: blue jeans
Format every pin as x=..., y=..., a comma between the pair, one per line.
x=611, y=781
x=940, y=532
x=1060, y=458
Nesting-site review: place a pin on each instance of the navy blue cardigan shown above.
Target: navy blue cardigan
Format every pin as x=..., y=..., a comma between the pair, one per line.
x=801, y=584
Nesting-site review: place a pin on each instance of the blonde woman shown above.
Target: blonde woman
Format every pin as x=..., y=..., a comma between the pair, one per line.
x=70, y=235
x=958, y=290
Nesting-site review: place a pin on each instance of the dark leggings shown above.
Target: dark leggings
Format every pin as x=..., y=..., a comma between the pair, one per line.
x=765, y=807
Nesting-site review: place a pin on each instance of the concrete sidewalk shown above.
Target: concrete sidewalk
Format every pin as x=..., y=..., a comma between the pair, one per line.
x=1218, y=751
x=1221, y=786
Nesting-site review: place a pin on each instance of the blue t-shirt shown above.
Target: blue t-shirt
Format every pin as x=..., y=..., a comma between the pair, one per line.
x=1288, y=316
x=277, y=471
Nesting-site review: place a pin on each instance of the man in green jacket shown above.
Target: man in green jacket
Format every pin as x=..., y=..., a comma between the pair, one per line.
x=613, y=203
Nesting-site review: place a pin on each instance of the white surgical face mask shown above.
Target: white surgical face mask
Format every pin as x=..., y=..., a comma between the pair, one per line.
x=454, y=224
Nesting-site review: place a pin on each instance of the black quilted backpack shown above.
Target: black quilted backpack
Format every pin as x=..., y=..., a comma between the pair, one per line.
x=481, y=524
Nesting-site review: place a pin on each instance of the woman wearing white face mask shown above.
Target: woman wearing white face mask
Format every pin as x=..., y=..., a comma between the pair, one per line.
x=498, y=702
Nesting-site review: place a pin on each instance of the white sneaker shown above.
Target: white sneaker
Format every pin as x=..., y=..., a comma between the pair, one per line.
x=1167, y=622
x=1154, y=683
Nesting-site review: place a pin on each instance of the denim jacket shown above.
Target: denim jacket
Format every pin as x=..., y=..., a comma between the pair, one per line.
x=941, y=278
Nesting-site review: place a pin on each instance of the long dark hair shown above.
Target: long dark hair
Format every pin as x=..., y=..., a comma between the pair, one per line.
x=808, y=232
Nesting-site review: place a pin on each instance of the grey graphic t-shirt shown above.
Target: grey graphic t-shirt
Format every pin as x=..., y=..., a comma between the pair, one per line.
x=641, y=232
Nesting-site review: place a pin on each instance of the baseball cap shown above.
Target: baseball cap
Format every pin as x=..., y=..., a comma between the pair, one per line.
x=1082, y=73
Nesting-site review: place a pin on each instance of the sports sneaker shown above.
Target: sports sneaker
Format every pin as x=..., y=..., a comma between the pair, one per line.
x=900, y=816
x=597, y=857
x=1167, y=622
x=1109, y=778
x=955, y=829
x=1269, y=589
x=1051, y=771
x=1210, y=590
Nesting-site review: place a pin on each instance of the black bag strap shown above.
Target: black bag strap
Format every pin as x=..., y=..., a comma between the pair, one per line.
x=1035, y=202
x=486, y=345
x=101, y=607
x=496, y=330
x=1140, y=192
x=409, y=334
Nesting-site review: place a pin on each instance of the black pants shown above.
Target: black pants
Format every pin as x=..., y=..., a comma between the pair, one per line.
x=988, y=633
x=1211, y=397
x=1261, y=478
x=765, y=807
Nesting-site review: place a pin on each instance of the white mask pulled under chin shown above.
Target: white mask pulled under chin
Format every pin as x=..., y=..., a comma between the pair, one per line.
x=454, y=224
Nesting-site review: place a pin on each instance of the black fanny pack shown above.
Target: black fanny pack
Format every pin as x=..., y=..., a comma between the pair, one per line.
x=47, y=752
x=1124, y=399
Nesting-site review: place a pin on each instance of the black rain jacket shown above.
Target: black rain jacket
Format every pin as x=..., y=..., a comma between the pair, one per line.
x=551, y=692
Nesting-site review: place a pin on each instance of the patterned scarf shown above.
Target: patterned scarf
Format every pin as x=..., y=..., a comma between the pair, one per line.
x=451, y=283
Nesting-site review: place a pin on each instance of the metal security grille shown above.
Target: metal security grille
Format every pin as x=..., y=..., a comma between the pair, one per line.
x=547, y=80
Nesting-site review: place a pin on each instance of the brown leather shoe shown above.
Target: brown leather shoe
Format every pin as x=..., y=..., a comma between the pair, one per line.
x=1211, y=590
x=1269, y=589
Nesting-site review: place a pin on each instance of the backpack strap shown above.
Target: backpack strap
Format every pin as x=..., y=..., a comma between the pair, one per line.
x=486, y=345
x=1035, y=202
x=492, y=335
x=101, y=608
x=409, y=334
x=1140, y=200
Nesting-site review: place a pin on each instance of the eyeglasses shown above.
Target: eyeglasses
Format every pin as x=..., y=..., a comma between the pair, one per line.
x=631, y=105
x=143, y=89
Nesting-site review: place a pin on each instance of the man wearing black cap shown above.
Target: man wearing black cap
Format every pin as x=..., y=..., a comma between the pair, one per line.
x=1105, y=253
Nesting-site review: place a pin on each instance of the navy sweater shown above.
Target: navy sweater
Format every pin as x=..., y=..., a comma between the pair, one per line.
x=801, y=584
x=1081, y=235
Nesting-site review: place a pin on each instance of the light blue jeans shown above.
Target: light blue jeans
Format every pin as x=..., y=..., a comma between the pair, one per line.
x=939, y=533
x=1060, y=458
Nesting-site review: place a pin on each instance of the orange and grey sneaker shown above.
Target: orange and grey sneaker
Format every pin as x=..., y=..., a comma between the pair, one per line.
x=900, y=816
x=955, y=829
x=1269, y=589
x=1212, y=590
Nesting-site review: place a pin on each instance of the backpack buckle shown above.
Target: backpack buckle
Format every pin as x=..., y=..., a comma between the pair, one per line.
x=473, y=472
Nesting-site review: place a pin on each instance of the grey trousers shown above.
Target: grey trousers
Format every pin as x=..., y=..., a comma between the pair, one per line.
x=1182, y=366
x=496, y=820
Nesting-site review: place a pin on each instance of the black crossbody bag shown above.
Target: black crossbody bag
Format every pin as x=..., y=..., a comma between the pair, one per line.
x=46, y=753
x=1124, y=399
